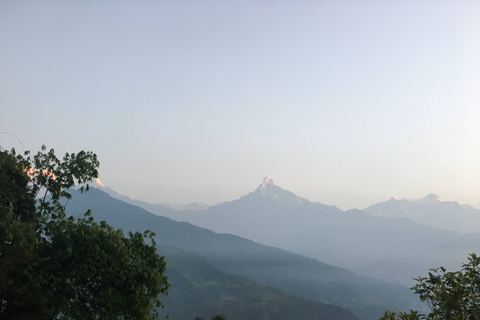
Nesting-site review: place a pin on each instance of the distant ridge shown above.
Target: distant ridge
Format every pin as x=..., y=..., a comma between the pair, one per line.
x=429, y=198
x=148, y=206
x=187, y=206
x=431, y=210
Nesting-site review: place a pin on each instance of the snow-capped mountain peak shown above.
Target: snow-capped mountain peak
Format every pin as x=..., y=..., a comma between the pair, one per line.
x=267, y=189
x=429, y=198
x=267, y=181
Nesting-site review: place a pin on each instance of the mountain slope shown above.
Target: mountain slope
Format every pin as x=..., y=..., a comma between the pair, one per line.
x=432, y=211
x=198, y=289
x=394, y=249
x=295, y=274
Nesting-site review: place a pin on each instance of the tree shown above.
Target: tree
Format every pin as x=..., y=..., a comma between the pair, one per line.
x=18, y=242
x=449, y=295
x=54, y=266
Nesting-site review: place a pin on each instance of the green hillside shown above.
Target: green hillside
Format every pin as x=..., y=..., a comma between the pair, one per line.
x=198, y=289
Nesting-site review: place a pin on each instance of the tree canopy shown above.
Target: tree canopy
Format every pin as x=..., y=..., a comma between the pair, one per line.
x=59, y=267
x=449, y=295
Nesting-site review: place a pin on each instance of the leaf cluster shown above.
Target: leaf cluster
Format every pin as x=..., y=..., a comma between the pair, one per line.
x=59, y=267
x=449, y=295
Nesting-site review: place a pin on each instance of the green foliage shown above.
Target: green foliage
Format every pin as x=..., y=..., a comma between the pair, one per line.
x=412, y=315
x=19, y=241
x=219, y=317
x=54, y=266
x=449, y=295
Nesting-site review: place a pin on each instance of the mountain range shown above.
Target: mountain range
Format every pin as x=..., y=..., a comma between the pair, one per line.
x=432, y=211
x=200, y=259
x=392, y=248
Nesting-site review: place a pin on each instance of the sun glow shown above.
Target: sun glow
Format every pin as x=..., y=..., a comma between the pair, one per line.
x=99, y=182
x=32, y=173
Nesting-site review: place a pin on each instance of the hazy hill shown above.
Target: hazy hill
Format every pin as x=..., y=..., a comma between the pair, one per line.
x=307, y=278
x=432, y=211
x=394, y=249
x=160, y=209
x=199, y=289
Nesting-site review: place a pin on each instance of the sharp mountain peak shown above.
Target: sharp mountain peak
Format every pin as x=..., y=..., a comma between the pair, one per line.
x=268, y=190
x=267, y=181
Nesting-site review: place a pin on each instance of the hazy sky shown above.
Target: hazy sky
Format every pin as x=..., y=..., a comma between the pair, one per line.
x=342, y=102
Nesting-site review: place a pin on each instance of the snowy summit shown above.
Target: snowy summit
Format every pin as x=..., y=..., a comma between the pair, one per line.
x=267, y=181
x=267, y=189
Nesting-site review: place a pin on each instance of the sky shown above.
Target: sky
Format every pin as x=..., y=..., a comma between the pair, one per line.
x=345, y=103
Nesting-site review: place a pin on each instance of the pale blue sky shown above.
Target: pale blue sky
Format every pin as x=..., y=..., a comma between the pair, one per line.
x=342, y=102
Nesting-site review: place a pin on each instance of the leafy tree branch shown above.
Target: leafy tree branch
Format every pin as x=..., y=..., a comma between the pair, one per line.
x=59, y=267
